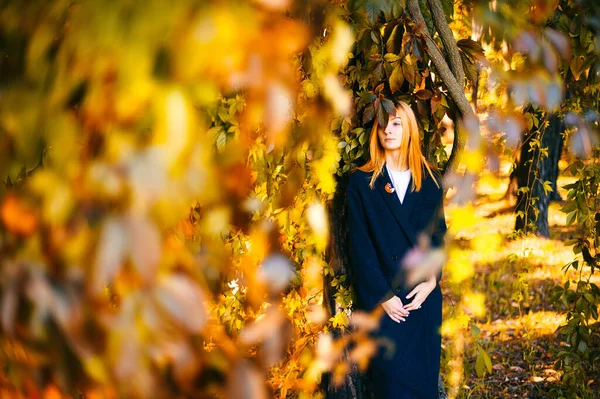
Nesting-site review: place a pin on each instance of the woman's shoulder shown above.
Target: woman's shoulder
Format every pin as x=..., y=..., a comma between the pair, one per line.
x=433, y=183
x=359, y=179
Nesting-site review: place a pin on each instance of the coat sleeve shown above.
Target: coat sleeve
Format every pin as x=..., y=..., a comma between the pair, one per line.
x=439, y=226
x=369, y=281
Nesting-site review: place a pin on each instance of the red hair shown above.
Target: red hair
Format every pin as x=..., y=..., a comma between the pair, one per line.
x=410, y=147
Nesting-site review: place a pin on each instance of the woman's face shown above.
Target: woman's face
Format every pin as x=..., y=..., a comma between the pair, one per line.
x=391, y=137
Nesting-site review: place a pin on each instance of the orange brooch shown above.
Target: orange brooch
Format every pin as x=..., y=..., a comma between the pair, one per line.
x=389, y=188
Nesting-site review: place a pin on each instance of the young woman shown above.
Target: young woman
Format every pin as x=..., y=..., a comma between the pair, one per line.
x=392, y=199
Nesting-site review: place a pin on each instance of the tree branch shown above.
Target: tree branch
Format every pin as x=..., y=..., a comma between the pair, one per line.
x=456, y=91
x=453, y=158
x=441, y=25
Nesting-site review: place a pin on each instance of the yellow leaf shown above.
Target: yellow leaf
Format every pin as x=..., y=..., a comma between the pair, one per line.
x=216, y=220
x=96, y=369
x=475, y=302
x=58, y=199
x=174, y=123
x=363, y=352
x=318, y=221
x=450, y=327
x=341, y=41
x=486, y=245
x=459, y=266
x=473, y=161
x=339, y=97
x=462, y=219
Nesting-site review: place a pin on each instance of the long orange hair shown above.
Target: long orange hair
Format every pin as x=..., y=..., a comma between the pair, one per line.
x=410, y=146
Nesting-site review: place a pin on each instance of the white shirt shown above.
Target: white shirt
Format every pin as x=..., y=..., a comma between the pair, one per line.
x=400, y=181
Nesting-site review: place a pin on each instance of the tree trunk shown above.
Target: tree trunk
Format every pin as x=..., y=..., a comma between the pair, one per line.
x=475, y=89
x=355, y=383
x=448, y=76
x=476, y=33
x=531, y=172
x=557, y=125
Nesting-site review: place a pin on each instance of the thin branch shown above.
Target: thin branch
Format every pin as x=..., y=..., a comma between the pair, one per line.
x=453, y=158
x=456, y=91
x=441, y=25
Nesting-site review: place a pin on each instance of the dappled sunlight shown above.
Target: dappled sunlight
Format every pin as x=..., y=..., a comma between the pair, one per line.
x=532, y=324
x=517, y=278
x=174, y=208
x=546, y=253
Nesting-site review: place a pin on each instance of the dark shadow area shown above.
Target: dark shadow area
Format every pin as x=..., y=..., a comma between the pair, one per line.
x=525, y=368
x=500, y=212
x=562, y=233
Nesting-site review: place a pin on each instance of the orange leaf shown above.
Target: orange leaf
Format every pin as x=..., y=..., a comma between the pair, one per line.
x=52, y=392
x=17, y=218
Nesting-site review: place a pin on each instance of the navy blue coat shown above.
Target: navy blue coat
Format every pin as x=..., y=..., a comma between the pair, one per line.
x=381, y=230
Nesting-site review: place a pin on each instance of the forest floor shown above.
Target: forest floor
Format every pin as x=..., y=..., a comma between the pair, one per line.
x=519, y=328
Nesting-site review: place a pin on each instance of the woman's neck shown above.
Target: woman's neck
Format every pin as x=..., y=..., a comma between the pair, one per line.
x=392, y=159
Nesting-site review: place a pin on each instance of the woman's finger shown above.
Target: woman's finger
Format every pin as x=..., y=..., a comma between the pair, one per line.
x=398, y=307
x=400, y=315
x=413, y=292
x=393, y=317
x=398, y=318
x=401, y=311
x=414, y=305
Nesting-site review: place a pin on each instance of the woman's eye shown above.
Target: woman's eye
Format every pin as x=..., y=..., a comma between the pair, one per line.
x=396, y=124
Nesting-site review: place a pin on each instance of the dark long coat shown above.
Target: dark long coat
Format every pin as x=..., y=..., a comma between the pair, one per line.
x=381, y=231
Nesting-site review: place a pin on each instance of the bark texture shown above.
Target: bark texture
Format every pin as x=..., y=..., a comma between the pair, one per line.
x=531, y=172
x=455, y=89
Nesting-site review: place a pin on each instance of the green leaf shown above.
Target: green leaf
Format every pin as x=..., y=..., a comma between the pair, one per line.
x=483, y=362
x=577, y=67
x=389, y=107
x=488, y=361
x=366, y=97
x=475, y=331
x=362, y=139
x=375, y=36
x=571, y=218
x=396, y=79
x=224, y=115
x=374, y=7
x=547, y=187
x=409, y=70
x=394, y=42
x=221, y=141
x=381, y=116
x=448, y=6
x=368, y=114
x=569, y=207
x=389, y=57
x=480, y=364
x=378, y=72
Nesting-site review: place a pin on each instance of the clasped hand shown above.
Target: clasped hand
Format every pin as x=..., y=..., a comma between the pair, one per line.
x=398, y=312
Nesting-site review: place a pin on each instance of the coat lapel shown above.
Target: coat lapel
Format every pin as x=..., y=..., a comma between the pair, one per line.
x=399, y=210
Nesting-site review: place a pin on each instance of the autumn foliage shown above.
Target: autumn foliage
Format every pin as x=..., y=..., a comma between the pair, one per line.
x=171, y=169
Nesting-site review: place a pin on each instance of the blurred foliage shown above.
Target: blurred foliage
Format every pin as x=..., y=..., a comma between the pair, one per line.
x=557, y=44
x=581, y=331
x=167, y=170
